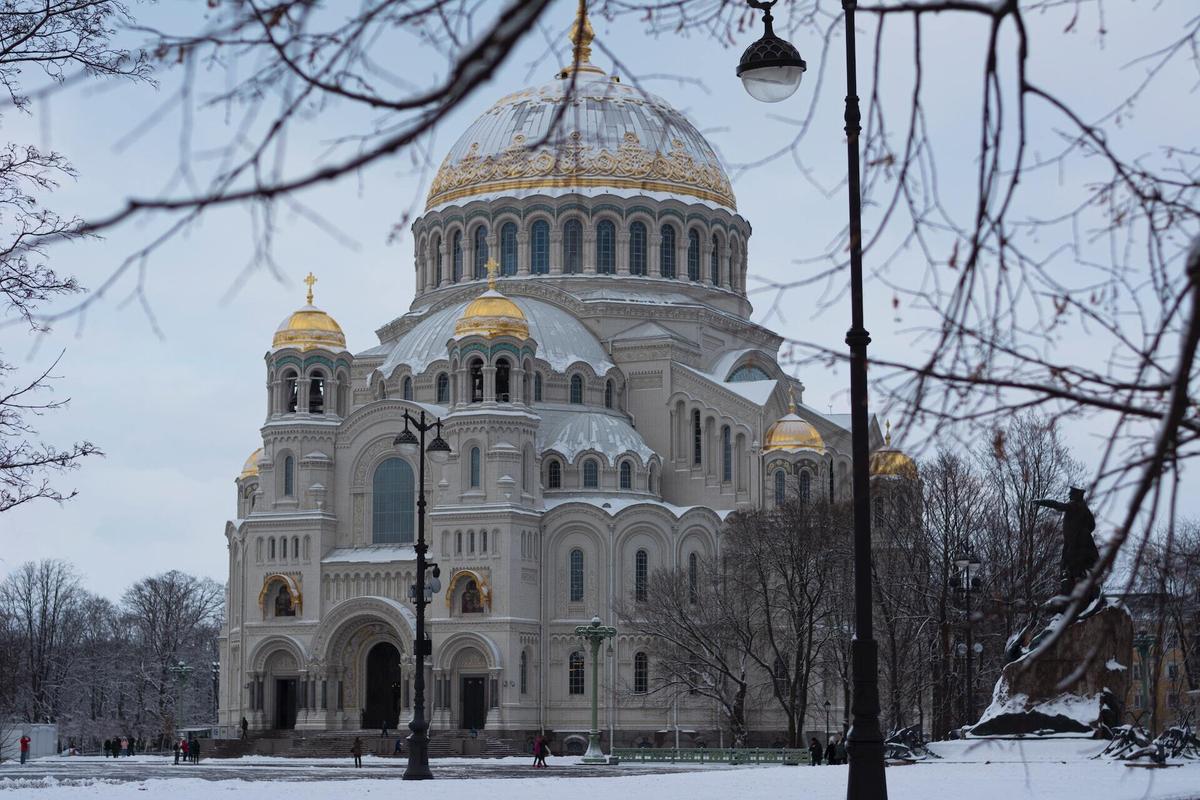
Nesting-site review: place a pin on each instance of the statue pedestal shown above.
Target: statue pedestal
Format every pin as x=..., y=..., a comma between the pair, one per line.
x=1077, y=686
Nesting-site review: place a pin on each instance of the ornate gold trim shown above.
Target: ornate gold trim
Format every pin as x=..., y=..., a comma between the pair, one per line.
x=292, y=586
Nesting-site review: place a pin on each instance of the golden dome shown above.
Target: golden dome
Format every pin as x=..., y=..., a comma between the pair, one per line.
x=309, y=328
x=791, y=432
x=492, y=314
x=250, y=468
x=887, y=462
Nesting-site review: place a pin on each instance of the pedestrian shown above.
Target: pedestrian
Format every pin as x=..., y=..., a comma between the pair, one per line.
x=195, y=750
x=383, y=734
x=107, y=747
x=398, y=750
x=537, y=750
x=175, y=747
x=831, y=751
x=245, y=725
x=814, y=752
x=24, y=748
x=841, y=749
x=124, y=746
x=356, y=750
x=183, y=748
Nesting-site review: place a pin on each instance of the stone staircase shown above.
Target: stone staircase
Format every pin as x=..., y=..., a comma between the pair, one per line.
x=337, y=744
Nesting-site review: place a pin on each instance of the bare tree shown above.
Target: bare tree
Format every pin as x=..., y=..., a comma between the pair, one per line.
x=41, y=600
x=63, y=39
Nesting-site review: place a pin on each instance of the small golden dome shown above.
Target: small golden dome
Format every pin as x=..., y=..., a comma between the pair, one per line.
x=792, y=432
x=492, y=314
x=309, y=328
x=887, y=462
x=250, y=468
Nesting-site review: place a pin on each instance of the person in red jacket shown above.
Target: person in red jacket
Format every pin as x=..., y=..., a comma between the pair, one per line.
x=24, y=748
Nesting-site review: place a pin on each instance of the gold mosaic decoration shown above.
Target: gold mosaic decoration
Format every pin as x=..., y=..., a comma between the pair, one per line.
x=573, y=165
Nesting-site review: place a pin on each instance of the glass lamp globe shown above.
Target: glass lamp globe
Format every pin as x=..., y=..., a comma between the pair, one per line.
x=771, y=68
x=438, y=450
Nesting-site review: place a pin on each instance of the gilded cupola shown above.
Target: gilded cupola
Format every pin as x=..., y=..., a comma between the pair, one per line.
x=888, y=462
x=791, y=432
x=492, y=314
x=309, y=327
x=250, y=468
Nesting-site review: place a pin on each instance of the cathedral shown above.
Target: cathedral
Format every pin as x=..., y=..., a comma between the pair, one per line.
x=581, y=328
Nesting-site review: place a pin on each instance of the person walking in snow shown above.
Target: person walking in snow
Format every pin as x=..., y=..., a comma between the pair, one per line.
x=814, y=752
x=175, y=747
x=124, y=746
x=107, y=747
x=183, y=748
x=841, y=749
x=24, y=748
x=195, y=750
x=831, y=751
x=245, y=725
x=356, y=751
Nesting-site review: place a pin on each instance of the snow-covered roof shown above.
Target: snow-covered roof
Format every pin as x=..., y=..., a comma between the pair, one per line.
x=562, y=340
x=614, y=504
x=724, y=365
x=375, y=554
x=648, y=330
x=571, y=430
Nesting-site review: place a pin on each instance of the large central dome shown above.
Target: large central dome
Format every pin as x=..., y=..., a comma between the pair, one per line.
x=612, y=138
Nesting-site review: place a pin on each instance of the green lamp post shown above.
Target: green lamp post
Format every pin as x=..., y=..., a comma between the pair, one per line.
x=595, y=634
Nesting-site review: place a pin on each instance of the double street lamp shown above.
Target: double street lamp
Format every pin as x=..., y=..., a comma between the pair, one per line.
x=181, y=672
x=968, y=568
x=438, y=452
x=771, y=70
x=595, y=634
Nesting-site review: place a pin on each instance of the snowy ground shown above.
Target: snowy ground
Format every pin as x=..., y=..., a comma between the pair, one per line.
x=976, y=770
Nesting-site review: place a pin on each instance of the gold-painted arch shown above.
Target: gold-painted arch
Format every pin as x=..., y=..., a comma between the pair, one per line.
x=293, y=587
x=485, y=588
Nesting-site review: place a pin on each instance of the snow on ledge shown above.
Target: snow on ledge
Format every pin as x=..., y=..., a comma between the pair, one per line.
x=376, y=554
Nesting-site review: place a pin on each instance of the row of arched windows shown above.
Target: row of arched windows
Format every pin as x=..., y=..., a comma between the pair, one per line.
x=576, y=672
x=316, y=393
x=573, y=257
x=803, y=485
x=282, y=548
x=590, y=475
x=503, y=386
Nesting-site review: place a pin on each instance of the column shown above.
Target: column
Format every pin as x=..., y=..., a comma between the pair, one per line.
x=489, y=383
x=523, y=255
x=447, y=262
x=588, y=256
x=556, y=264
x=623, y=251
x=654, y=254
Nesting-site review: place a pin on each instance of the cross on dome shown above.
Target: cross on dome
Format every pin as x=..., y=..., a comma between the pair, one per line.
x=310, y=280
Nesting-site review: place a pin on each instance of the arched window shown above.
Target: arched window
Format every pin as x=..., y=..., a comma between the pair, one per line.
x=477, y=381
x=458, y=541
x=443, y=388
x=697, y=438
x=283, y=549
x=666, y=252
x=748, y=372
x=406, y=388
x=437, y=261
x=537, y=387
x=524, y=672
x=780, y=487
x=456, y=255
x=502, y=381
x=714, y=262
x=608, y=394
x=693, y=255
x=476, y=468
x=554, y=475
x=316, y=393
x=577, y=389
x=626, y=475
x=290, y=392
x=271, y=549
x=606, y=247
x=289, y=476
x=641, y=575
x=734, y=276
x=652, y=480
x=576, y=575
x=726, y=454
x=641, y=673
x=805, y=486
x=575, y=673
x=591, y=474
x=572, y=245
x=483, y=541
x=393, y=491
x=481, y=253
x=637, y=249
x=539, y=248
x=693, y=578
x=508, y=249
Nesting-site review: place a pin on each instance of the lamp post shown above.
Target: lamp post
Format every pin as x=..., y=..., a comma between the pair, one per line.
x=771, y=70
x=968, y=563
x=181, y=671
x=595, y=634
x=437, y=451
x=826, y=722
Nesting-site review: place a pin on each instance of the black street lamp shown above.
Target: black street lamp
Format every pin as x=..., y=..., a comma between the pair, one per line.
x=772, y=73
x=826, y=722
x=438, y=451
x=967, y=564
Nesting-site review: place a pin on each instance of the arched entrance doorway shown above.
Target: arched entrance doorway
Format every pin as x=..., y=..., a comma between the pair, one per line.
x=384, y=687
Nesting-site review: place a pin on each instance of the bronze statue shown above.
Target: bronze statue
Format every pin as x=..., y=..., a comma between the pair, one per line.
x=1079, y=553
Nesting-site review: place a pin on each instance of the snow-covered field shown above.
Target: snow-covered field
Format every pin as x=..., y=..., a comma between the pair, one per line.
x=980, y=770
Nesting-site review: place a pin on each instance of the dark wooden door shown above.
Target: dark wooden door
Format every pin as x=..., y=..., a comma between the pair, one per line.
x=383, y=687
x=285, y=703
x=474, y=703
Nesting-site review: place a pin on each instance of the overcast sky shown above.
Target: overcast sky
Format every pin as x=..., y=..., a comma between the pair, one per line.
x=177, y=410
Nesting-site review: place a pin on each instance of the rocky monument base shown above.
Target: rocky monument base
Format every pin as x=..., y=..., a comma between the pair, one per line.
x=1078, y=686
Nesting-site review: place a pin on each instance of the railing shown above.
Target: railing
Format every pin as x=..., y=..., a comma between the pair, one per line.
x=717, y=755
